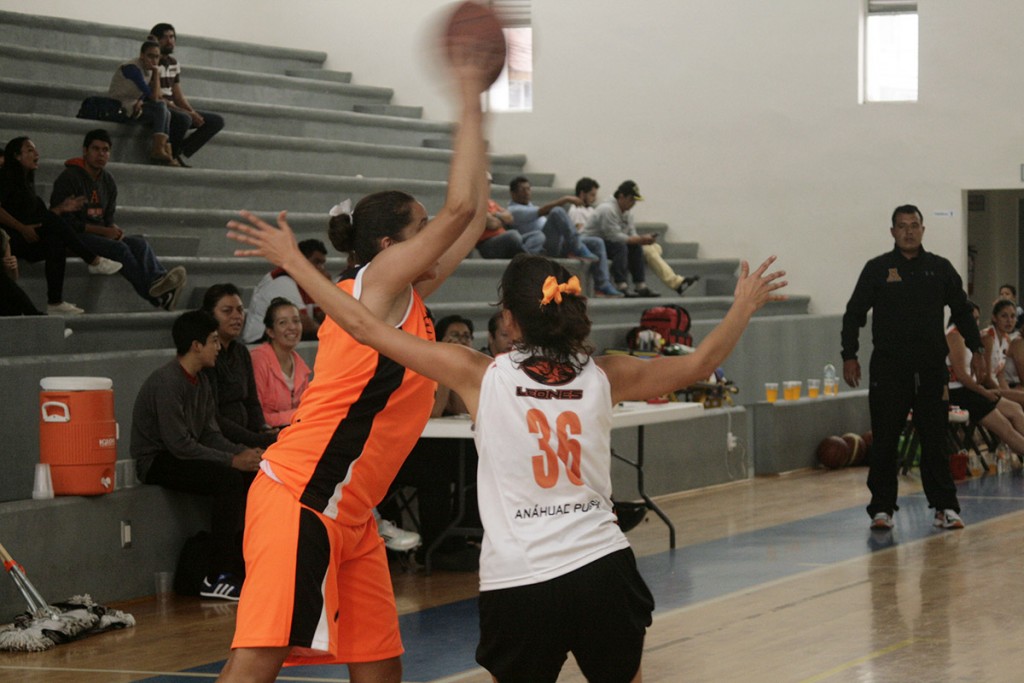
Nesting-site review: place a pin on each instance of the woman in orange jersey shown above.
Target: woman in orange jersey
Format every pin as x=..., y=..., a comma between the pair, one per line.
x=317, y=587
x=556, y=573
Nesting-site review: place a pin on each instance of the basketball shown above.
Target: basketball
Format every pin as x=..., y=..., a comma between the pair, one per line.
x=868, y=439
x=475, y=25
x=857, y=450
x=834, y=452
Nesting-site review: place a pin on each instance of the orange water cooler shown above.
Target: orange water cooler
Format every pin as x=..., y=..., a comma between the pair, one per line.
x=78, y=434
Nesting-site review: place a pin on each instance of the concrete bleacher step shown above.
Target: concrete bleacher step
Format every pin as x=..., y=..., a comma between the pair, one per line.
x=321, y=75
x=62, y=100
x=37, y=64
x=88, y=37
x=229, y=150
x=537, y=180
x=255, y=190
x=402, y=111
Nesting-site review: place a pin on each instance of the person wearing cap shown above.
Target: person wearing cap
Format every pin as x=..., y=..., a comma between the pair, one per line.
x=628, y=250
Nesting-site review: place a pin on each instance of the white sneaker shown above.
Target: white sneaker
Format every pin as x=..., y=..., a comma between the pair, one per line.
x=63, y=308
x=104, y=266
x=948, y=519
x=397, y=539
x=881, y=521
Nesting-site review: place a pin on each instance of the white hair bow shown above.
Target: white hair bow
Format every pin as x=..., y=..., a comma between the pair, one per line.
x=343, y=207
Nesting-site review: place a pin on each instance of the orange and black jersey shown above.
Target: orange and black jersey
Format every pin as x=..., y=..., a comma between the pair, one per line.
x=356, y=423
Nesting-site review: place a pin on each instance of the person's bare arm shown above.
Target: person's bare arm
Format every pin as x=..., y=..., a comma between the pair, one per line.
x=567, y=199
x=633, y=379
x=957, y=360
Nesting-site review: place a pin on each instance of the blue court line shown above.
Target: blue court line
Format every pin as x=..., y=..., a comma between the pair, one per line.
x=441, y=641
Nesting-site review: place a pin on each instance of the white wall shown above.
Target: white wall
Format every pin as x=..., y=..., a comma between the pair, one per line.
x=739, y=119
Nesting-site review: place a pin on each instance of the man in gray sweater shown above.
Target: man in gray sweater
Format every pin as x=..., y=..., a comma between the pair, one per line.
x=178, y=445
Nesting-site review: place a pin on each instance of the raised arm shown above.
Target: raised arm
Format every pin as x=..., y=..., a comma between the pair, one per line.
x=457, y=366
x=633, y=379
x=454, y=231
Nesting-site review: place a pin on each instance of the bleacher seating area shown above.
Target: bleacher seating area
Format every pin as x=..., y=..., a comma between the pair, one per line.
x=300, y=138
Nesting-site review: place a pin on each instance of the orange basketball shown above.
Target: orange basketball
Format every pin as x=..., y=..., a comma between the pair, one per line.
x=477, y=26
x=834, y=452
x=856, y=445
x=868, y=437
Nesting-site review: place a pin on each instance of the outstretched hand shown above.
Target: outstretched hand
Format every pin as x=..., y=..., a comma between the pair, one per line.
x=756, y=289
x=277, y=245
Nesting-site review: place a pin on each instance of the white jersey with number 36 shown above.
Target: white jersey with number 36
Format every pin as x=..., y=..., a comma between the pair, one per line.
x=543, y=435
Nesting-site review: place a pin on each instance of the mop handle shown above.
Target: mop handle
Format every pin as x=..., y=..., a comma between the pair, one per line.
x=17, y=572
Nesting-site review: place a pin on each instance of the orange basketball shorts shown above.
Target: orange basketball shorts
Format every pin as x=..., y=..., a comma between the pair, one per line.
x=313, y=584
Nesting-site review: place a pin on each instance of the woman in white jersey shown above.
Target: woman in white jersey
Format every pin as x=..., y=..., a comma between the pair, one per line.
x=986, y=406
x=556, y=573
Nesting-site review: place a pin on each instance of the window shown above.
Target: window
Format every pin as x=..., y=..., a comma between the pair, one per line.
x=513, y=91
x=890, y=51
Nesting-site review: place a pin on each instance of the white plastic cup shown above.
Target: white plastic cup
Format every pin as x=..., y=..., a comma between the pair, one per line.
x=42, y=485
x=163, y=583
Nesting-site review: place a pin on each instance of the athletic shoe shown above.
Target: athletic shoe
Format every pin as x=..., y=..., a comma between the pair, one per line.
x=168, y=288
x=224, y=587
x=646, y=293
x=606, y=289
x=685, y=284
x=881, y=521
x=104, y=266
x=948, y=519
x=629, y=514
x=63, y=308
x=171, y=279
x=397, y=539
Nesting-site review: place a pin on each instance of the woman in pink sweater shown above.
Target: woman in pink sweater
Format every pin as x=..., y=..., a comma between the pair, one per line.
x=281, y=374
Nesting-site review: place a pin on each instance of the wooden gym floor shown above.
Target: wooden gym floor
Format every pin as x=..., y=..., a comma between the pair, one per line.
x=774, y=579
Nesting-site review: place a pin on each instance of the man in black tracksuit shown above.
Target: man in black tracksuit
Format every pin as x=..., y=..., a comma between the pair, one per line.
x=908, y=289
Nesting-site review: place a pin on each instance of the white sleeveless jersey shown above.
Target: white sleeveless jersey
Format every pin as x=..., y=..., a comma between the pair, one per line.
x=543, y=483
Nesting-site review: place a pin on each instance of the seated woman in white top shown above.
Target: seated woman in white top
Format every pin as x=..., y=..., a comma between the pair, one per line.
x=1004, y=418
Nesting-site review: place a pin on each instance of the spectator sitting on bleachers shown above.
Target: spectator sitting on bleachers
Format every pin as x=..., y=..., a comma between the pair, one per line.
x=13, y=299
x=986, y=406
x=628, y=250
x=136, y=85
x=38, y=233
x=545, y=229
x=497, y=240
x=499, y=338
x=1009, y=292
x=579, y=214
x=239, y=413
x=177, y=444
x=183, y=115
x=281, y=374
x=279, y=284
x=86, y=176
x=996, y=339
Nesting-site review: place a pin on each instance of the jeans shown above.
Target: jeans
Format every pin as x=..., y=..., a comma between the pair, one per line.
x=182, y=122
x=505, y=245
x=599, y=271
x=557, y=239
x=157, y=115
x=626, y=259
x=139, y=264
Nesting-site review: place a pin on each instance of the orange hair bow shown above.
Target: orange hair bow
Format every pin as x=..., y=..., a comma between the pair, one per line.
x=554, y=291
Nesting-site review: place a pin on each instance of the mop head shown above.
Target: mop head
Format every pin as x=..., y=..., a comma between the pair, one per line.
x=75, y=618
